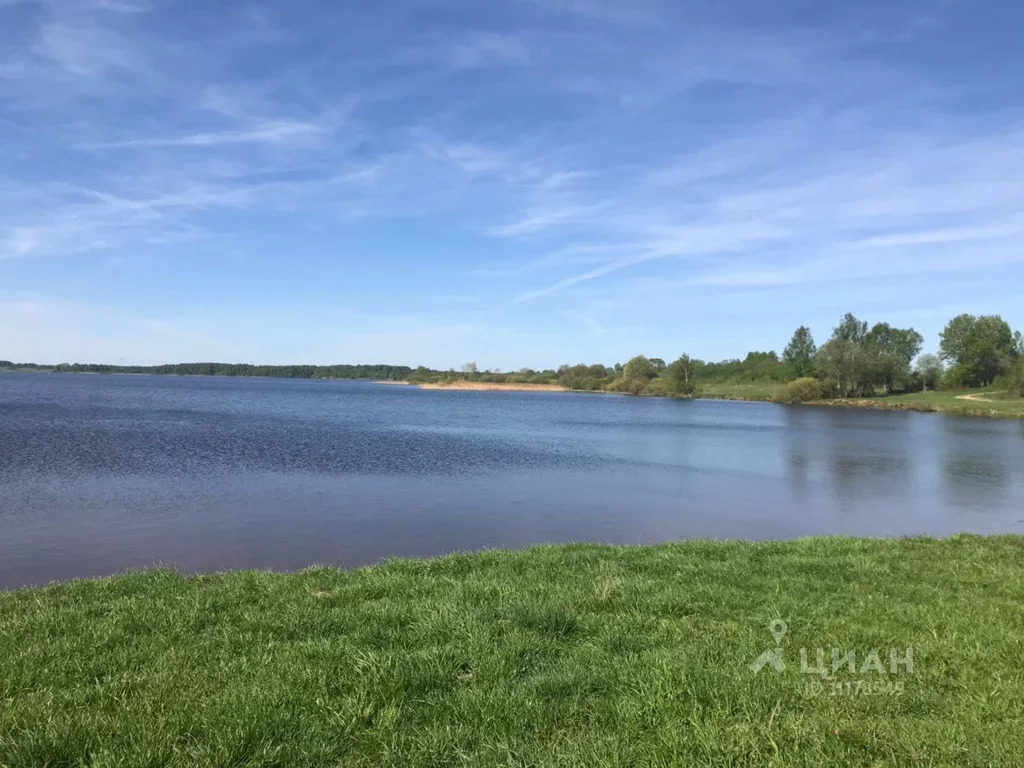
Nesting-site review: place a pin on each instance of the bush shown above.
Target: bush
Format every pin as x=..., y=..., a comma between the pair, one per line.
x=1013, y=381
x=957, y=377
x=658, y=387
x=801, y=390
x=615, y=385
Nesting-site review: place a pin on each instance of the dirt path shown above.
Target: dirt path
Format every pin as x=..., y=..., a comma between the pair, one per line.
x=977, y=398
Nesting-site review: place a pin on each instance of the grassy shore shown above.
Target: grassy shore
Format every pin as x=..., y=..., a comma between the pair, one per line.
x=557, y=656
x=974, y=403
x=756, y=391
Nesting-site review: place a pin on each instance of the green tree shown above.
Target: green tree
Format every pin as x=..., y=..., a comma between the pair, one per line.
x=637, y=374
x=929, y=368
x=844, y=361
x=980, y=348
x=682, y=377
x=850, y=329
x=639, y=368
x=1015, y=379
x=800, y=353
x=890, y=352
x=844, y=365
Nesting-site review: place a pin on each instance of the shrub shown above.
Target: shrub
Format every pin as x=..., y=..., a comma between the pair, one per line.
x=801, y=390
x=957, y=377
x=658, y=387
x=1013, y=380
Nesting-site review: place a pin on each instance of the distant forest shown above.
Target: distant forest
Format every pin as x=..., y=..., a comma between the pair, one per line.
x=857, y=360
x=372, y=372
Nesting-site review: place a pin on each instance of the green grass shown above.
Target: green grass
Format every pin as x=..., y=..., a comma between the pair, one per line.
x=763, y=390
x=557, y=656
x=998, y=404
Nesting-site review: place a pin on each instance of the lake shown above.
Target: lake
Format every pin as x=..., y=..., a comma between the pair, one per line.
x=99, y=474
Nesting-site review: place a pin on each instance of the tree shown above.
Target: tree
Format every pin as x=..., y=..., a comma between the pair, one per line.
x=637, y=375
x=658, y=363
x=639, y=368
x=845, y=361
x=682, y=378
x=850, y=329
x=1015, y=379
x=763, y=366
x=930, y=369
x=843, y=364
x=891, y=351
x=800, y=353
x=469, y=368
x=980, y=348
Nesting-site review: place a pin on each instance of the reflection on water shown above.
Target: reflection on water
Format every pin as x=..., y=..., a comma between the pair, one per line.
x=103, y=473
x=977, y=476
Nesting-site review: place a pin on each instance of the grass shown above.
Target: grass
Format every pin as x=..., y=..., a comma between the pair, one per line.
x=994, y=404
x=556, y=656
x=763, y=390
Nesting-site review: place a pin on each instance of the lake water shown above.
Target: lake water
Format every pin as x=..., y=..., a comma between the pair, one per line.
x=99, y=474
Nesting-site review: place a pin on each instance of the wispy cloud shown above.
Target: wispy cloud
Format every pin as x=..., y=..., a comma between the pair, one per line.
x=19, y=241
x=276, y=132
x=84, y=49
x=571, y=154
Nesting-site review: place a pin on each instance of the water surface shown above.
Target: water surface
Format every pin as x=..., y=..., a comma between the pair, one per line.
x=99, y=474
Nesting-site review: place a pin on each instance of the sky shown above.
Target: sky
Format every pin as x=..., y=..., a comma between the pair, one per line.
x=514, y=183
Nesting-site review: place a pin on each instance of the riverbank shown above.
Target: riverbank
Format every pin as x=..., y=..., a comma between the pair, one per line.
x=483, y=386
x=984, y=403
x=979, y=403
x=559, y=656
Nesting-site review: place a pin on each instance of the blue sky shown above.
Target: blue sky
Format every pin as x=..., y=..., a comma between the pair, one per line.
x=519, y=182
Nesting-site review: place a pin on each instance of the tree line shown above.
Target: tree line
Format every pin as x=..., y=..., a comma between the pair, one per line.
x=856, y=360
x=369, y=372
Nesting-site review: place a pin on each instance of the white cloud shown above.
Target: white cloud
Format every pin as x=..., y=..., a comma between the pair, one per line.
x=20, y=241
x=84, y=49
x=572, y=148
x=275, y=132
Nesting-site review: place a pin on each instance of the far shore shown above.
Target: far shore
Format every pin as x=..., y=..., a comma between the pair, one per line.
x=486, y=386
x=950, y=402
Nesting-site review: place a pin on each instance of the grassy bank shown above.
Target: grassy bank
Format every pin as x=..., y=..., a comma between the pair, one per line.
x=557, y=656
x=977, y=402
x=974, y=403
x=764, y=390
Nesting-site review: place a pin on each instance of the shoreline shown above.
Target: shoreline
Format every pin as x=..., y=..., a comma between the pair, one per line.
x=485, y=386
x=967, y=410
x=950, y=404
